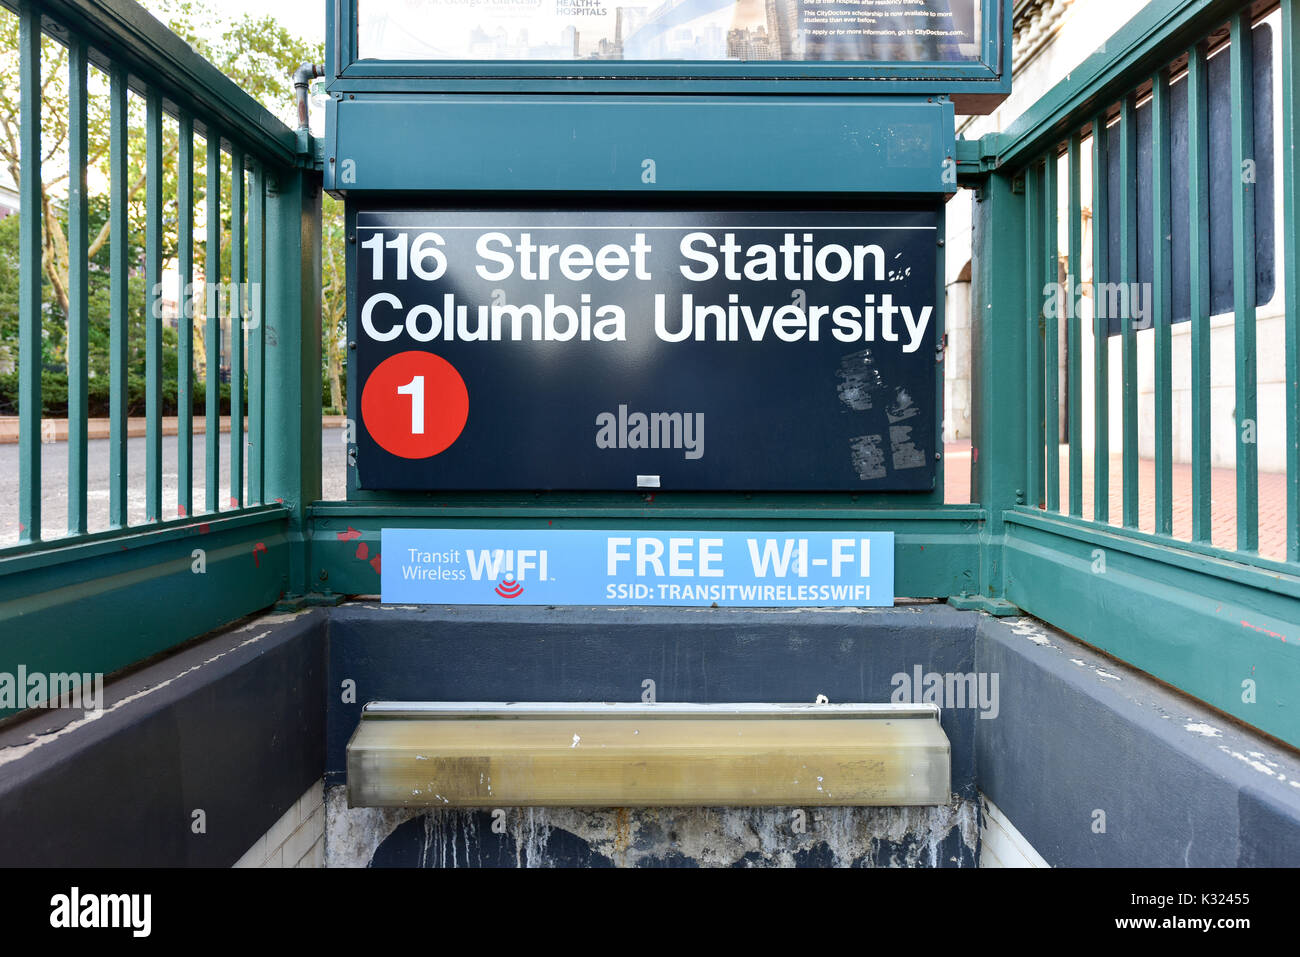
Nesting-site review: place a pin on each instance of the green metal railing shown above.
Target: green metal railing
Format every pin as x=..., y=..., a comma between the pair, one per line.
x=189, y=120
x=117, y=594
x=1098, y=124
x=1216, y=618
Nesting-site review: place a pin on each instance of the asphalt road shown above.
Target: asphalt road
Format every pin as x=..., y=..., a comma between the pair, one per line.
x=54, y=480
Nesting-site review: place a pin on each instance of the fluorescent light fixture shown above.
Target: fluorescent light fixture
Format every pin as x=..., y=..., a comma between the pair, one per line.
x=566, y=754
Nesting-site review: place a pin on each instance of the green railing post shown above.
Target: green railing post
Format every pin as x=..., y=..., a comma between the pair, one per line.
x=292, y=355
x=153, y=301
x=1198, y=231
x=1100, y=320
x=78, y=289
x=999, y=333
x=1162, y=299
x=212, y=327
x=1291, y=260
x=119, y=265
x=1242, y=79
x=29, y=281
x=237, y=317
x=185, y=322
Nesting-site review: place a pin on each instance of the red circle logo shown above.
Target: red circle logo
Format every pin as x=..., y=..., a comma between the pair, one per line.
x=415, y=404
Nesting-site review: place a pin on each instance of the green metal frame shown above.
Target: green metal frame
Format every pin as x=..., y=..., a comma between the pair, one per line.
x=977, y=87
x=1205, y=619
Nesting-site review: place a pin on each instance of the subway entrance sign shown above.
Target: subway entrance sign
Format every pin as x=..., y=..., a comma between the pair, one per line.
x=783, y=350
x=691, y=247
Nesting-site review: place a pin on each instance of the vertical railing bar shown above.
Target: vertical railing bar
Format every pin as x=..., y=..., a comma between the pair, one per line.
x=1290, y=54
x=256, y=337
x=29, y=279
x=118, y=286
x=1034, y=316
x=1100, y=328
x=78, y=292
x=1074, y=338
x=153, y=302
x=212, y=320
x=185, y=320
x=1129, y=275
x=236, y=327
x=1162, y=300
x=1198, y=216
x=1243, y=277
x=1051, y=345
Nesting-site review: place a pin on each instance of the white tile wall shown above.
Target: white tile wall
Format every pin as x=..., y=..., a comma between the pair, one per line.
x=1001, y=845
x=297, y=839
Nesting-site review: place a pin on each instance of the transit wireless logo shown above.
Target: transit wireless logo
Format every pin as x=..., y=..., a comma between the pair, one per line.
x=509, y=588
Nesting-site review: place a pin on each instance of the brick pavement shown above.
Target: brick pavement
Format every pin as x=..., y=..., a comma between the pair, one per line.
x=1223, y=497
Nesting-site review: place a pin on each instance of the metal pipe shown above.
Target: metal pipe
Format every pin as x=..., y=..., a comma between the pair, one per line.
x=302, y=78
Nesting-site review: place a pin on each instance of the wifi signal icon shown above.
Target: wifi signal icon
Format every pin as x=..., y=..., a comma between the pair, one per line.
x=509, y=589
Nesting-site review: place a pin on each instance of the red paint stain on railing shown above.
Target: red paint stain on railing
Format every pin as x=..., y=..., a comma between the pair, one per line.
x=1263, y=631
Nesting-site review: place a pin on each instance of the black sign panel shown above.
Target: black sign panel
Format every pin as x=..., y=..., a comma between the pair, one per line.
x=624, y=350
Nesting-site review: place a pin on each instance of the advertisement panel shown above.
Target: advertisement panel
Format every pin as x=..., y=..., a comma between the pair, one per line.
x=457, y=566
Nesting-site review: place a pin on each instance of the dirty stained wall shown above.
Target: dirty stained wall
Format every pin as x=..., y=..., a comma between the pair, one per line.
x=944, y=836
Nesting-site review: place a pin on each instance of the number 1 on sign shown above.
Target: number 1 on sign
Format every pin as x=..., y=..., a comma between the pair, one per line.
x=415, y=389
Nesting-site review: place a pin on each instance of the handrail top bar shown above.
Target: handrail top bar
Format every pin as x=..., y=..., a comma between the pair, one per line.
x=123, y=32
x=1157, y=36
x=620, y=709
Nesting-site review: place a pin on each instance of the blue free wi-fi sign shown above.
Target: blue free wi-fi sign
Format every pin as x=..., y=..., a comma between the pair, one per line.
x=572, y=567
x=598, y=350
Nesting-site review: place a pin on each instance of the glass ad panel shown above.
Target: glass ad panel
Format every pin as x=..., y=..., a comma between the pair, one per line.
x=919, y=31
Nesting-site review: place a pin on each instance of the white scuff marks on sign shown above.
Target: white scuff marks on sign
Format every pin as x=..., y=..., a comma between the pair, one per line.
x=1202, y=729
x=859, y=380
x=904, y=451
x=867, y=456
x=902, y=407
x=1106, y=674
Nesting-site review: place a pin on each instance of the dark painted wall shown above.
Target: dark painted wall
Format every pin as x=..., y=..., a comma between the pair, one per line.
x=1081, y=736
x=233, y=725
